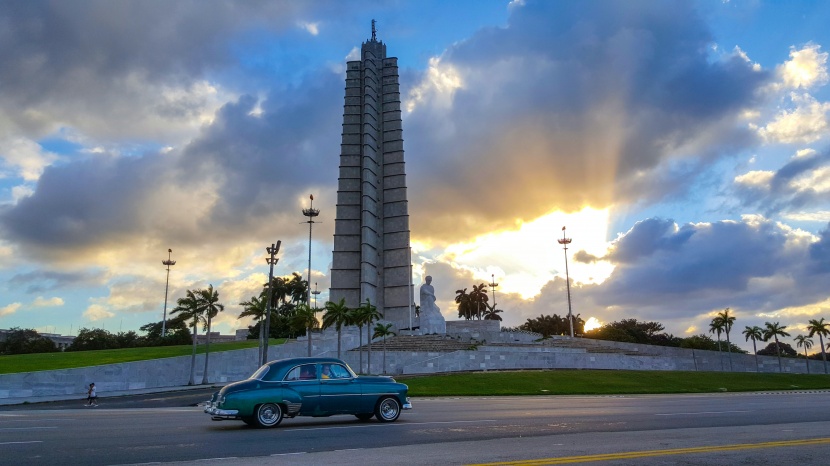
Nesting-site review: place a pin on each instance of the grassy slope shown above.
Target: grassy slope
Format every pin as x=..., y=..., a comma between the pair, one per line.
x=51, y=361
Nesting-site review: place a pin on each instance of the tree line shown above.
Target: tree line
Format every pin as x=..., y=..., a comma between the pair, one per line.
x=652, y=333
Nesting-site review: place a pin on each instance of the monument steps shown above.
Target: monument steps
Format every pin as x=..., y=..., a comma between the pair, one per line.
x=591, y=346
x=448, y=343
x=418, y=343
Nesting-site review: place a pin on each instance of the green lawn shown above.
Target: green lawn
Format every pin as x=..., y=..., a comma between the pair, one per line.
x=51, y=361
x=594, y=382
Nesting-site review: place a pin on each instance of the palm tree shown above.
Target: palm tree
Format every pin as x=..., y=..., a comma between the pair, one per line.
x=807, y=343
x=306, y=317
x=297, y=288
x=821, y=328
x=189, y=308
x=464, y=304
x=254, y=308
x=209, y=303
x=257, y=308
x=774, y=331
x=337, y=315
x=478, y=298
x=279, y=293
x=369, y=314
x=757, y=334
x=492, y=314
x=383, y=331
x=716, y=326
x=356, y=318
x=727, y=320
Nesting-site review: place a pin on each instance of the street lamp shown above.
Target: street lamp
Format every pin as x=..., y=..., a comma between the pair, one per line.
x=265, y=333
x=493, y=286
x=311, y=212
x=168, y=263
x=315, y=293
x=565, y=242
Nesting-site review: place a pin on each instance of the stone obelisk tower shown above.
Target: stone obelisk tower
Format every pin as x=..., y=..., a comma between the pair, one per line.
x=371, y=227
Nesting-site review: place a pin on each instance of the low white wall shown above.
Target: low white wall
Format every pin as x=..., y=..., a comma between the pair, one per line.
x=230, y=366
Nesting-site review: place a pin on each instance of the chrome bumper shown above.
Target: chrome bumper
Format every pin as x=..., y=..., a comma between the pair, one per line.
x=408, y=404
x=221, y=414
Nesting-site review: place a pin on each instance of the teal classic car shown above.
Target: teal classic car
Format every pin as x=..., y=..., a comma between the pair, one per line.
x=308, y=387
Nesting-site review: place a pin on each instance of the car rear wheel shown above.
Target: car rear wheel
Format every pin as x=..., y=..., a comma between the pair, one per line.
x=268, y=415
x=388, y=409
x=364, y=416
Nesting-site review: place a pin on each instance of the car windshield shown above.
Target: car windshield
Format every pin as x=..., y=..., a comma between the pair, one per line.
x=260, y=373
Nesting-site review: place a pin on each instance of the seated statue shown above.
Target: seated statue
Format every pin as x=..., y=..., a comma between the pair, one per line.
x=430, y=317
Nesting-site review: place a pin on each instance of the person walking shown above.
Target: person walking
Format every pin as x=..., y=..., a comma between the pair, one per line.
x=92, y=396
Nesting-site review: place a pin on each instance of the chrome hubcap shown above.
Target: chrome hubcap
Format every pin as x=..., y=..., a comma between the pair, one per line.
x=389, y=408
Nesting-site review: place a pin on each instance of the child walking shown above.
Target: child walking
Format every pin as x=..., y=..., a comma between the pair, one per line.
x=92, y=396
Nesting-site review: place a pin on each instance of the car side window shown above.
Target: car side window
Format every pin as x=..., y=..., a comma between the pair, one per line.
x=303, y=372
x=339, y=372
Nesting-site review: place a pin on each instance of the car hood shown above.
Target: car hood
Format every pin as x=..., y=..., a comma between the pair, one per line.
x=375, y=379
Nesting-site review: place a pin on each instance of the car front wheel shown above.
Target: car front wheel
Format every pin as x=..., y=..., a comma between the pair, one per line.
x=388, y=409
x=268, y=415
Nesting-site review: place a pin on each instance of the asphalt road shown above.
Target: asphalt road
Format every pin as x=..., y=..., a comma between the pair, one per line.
x=765, y=428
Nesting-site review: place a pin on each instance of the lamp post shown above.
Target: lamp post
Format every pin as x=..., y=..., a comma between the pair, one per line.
x=315, y=293
x=168, y=263
x=265, y=333
x=493, y=286
x=311, y=212
x=565, y=242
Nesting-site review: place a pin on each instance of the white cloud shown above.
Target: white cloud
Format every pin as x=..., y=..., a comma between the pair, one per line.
x=822, y=216
x=755, y=178
x=97, y=312
x=806, y=68
x=311, y=28
x=19, y=192
x=808, y=122
x=25, y=157
x=437, y=87
x=40, y=301
x=817, y=180
x=740, y=53
x=10, y=309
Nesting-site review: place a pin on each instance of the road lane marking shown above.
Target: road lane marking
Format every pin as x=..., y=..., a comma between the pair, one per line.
x=26, y=428
x=702, y=412
x=27, y=441
x=649, y=453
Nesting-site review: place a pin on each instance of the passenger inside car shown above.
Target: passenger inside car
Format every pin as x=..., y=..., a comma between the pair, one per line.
x=308, y=372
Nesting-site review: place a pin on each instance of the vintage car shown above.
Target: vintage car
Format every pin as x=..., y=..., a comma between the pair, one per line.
x=308, y=387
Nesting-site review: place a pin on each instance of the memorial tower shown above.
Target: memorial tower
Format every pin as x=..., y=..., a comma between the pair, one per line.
x=371, y=228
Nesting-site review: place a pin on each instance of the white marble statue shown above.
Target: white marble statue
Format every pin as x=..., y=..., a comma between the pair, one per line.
x=431, y=319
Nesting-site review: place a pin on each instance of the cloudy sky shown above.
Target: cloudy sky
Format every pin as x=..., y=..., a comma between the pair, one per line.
x=683, y=144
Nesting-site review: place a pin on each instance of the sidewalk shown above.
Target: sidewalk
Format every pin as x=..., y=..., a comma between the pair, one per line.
x=117, y=393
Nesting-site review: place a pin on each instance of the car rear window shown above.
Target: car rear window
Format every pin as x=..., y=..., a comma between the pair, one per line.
x=303, y=372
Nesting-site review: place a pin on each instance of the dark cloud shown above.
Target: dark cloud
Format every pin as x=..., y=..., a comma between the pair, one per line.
x=819, y=253
x=41, y=281
x=647, y=237
x=657, y=261
x=242, y=173
x=575, y=104
x=782, y=194
x=90, y=63
x=678, y=275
